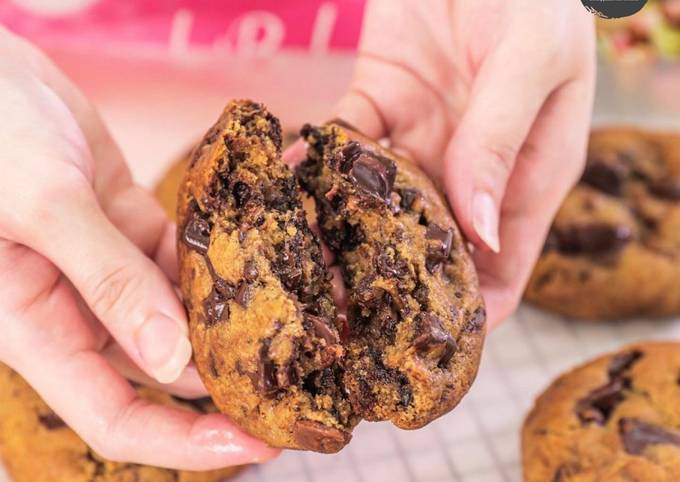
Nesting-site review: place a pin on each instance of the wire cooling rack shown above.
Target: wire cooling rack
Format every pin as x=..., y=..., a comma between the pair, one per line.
x=479, y=440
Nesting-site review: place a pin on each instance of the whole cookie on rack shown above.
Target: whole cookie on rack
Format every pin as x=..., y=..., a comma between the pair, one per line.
x=416, y=317
x=614, y=419
x=36, y=445
x=614, y=248
x=261, y=316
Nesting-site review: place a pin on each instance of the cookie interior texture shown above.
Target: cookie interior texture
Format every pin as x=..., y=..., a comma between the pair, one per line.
x=36, y=445
x=614, y=248
x=615, y=419
x=267, y=339
x=415, y=316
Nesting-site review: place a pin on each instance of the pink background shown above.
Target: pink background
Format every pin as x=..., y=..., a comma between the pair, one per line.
x=160, y=71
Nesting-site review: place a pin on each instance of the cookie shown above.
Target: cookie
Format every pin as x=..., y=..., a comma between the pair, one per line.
x=416, y=317
x=614, y=419
x=268, y=341
x=36, y=445
x=614, y=246
x=262, y=321
x=167, y=186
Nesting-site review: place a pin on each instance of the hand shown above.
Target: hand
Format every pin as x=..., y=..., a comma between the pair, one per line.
x=493, y=98
x=86, y=259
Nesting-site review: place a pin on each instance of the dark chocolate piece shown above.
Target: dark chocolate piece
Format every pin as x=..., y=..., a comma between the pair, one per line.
x=440, y=246
x=433, y=341
x=607, y=177
x=638, y=435
x=593, y=238
x=321, y=329
x=599, y=404
x=374, y=174
x=622, y=362
x=197, y=234
x=315, y=436
x=667, y=188
x=51, y=421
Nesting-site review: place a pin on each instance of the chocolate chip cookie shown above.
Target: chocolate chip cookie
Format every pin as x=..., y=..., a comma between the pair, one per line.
x=268, y=341
x=262, y=320
x=614, y=419
x=614, y=248
x=416, y=318
x=36, y=445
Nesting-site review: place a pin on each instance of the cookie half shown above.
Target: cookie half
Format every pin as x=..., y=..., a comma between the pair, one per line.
x=36, y=445
x=614, y=247
x=416, y=317
x=614, y=419
x=261, y=317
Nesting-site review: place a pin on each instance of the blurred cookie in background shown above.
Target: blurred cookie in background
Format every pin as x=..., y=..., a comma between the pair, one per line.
x=36, y=445
x=614, y=419
x=614, y=248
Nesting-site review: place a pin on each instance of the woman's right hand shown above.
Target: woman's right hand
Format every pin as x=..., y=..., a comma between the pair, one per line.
x=87, y=261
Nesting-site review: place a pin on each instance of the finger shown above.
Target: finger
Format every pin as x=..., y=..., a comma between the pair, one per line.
x=124, y=289
x=188, y=385
x=547, y=168
x=504, y=102
x=103, y=409
x=338, y=289
x=295, y=153
x=359, y=108
x=139, y=216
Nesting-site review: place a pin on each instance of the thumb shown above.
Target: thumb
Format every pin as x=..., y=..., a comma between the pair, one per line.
x=480, y=157
x=125, y=290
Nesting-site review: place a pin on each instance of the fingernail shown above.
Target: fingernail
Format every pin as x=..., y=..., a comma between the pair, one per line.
x=216, y=434
x=163, y=347
x=485, y=219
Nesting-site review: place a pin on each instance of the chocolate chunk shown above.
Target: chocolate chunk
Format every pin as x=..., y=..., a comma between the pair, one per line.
x=667, y=188
x=405, y=392
x=599, y=404
x=477, y=321
x=622, y=362
x=565, y=471
x=440, y=246
x=350, y=153
x=432, y=340
x=197, y=233
x=224, y=289
x=607, y=177
x=315, y=436
x=287, y=267
x=593, y=238
x=241, y=193
x=215, y=308
x=250, y=272
x=392, y=266
x=264, y=379
x=243, y=294
x=374, y=174
x=322, y=329
x=408, y=197
x=51, y=421
x=638, y=435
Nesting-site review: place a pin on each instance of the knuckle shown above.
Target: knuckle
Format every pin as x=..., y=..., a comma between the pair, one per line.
x=114, y=291
x=502, y=158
